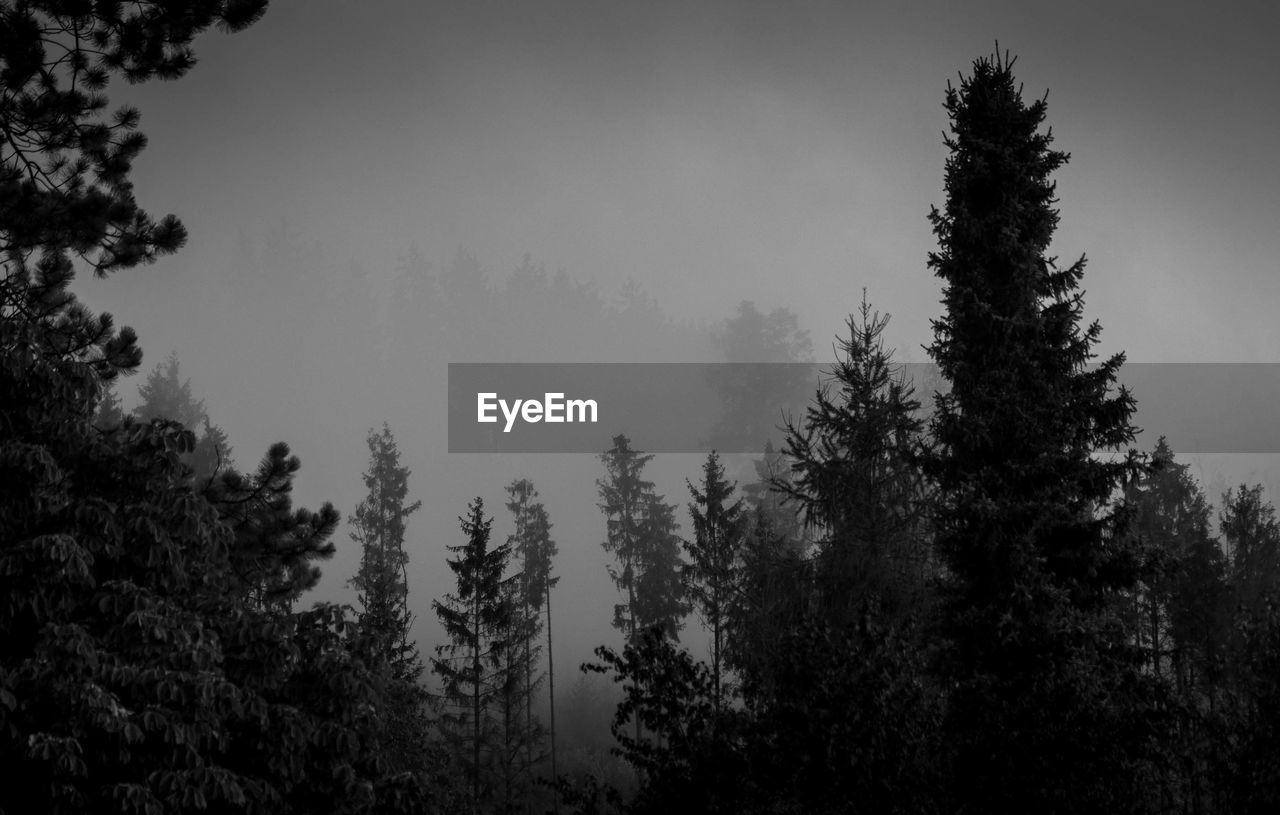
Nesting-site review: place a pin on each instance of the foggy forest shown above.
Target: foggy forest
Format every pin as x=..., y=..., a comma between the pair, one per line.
x=982, y=521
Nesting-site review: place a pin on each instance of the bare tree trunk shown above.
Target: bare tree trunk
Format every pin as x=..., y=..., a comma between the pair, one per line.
x=475, y=710
x=528, y=710
x=551, y=683
x=631, y=613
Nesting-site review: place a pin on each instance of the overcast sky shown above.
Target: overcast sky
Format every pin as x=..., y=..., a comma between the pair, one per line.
x=790, y=150
x=782, y=152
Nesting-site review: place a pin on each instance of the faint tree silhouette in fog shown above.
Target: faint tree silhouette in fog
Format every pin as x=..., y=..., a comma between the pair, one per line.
x=711, y=575
x=535, y=551
x=759, y=388
x=166, y=395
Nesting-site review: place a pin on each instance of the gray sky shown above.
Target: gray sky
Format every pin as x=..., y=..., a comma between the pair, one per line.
x=790, y=150
x=786, y=153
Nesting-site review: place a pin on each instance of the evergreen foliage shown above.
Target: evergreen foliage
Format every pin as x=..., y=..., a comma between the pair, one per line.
x=1182, y=606
x=378, y=526
x=166, y=395
x=534, y=549
x=65, y=163
x=1252, y=538
x=711, y=574
x=472, y=665
x=149, y=661
x=1047, y=713
x=771, y=598
x=855, y=477
x=999, y=609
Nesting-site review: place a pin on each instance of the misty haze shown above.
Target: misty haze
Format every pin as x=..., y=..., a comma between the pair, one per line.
x=862, y=408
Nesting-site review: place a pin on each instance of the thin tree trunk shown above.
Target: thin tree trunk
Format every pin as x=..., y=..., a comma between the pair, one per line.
x=510, y=750
x=715, y=662
x=628, y=567
x=1155, y=633
x=528, y=709
x=551, y=683
x=631, y=613
x=475, y=710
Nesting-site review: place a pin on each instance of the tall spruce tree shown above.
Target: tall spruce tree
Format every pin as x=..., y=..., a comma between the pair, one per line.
x=542, y=581
x=378, y=526
x=719, y=527
x=1181, y=605
x=660, y=591
x=856, y=478
x=1041, y=717
x=534, y=549
x=477, y=620
x=624, y=496
x=641, y=534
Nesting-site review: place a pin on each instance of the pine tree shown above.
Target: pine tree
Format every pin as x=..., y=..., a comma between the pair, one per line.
x=416, y=315
x=712, y=574
x=520, y=731
x=642, y=536
x=1042, y=713
x=166, y=395
x=276, y=547
x=378, y=526
x=1181, y=617
x=1252, y=537
x=624, y=496
x=65, y=164
x=770, y=600
x=541, y=582
x=134, y=673
x=534, y=549
x=476, y=618
x=660, y=591
x=109, y=412
x=854, y=475
x=770, y=494
x=758, y=385
x=1181, y=605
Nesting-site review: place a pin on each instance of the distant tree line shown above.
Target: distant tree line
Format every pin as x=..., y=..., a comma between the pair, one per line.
x=998, y=608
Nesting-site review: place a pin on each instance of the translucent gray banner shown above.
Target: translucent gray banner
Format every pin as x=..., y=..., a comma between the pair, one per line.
x=737, y=408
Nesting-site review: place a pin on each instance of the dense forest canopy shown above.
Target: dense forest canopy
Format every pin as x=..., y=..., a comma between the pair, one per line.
x=973, y=595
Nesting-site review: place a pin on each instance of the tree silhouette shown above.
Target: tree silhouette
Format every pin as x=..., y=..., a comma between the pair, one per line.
x=855, y=476
x=136, y=671
x=534, y=549
x=165, y=394
x=477, y=620
x=1042, y=716
x=711, y=575
x=378, y=526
